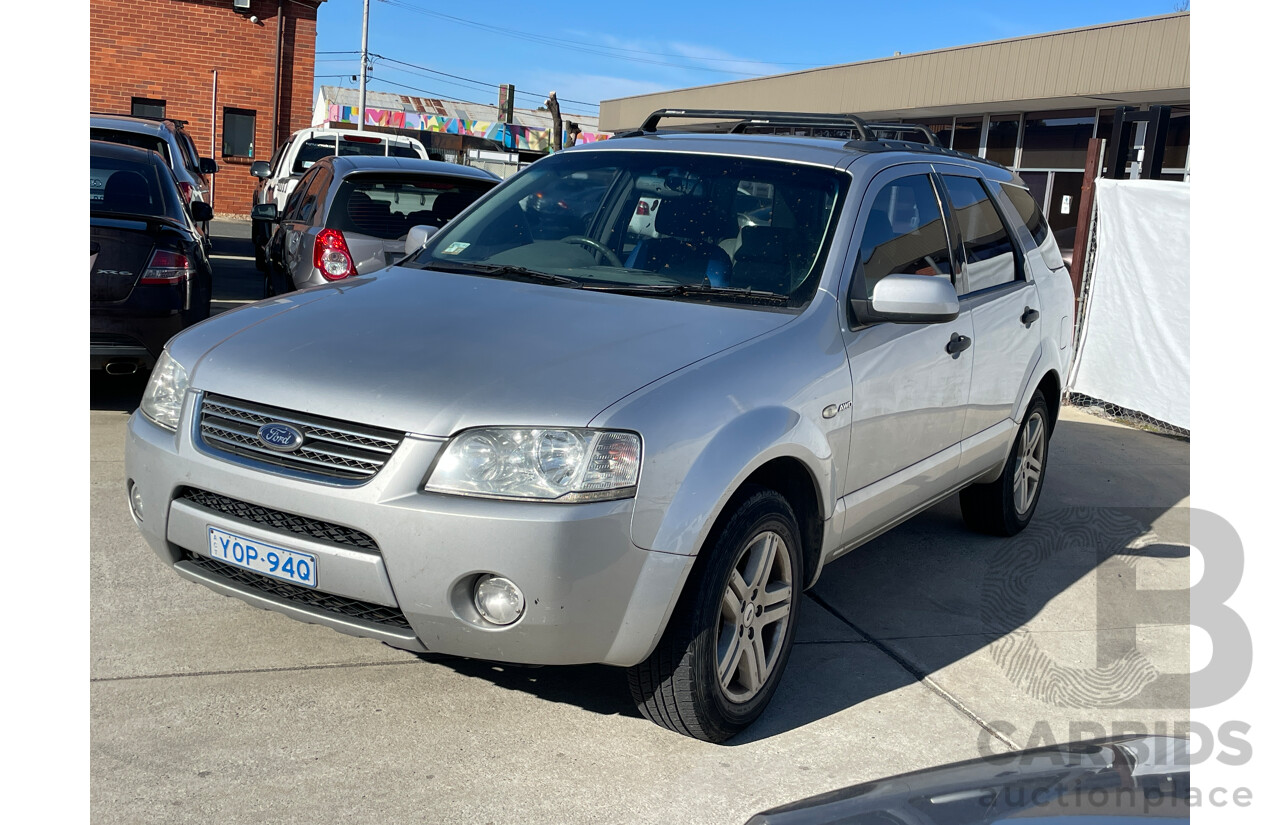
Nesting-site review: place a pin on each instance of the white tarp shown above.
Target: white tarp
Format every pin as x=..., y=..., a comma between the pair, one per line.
x=1135, y=342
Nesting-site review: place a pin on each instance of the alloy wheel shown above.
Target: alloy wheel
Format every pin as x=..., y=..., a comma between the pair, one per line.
x=755, y=611
x=1026, y=478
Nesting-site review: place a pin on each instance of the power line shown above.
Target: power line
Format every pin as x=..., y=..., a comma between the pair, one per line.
x=473, y=80
x=573, y=45
x=576, y=44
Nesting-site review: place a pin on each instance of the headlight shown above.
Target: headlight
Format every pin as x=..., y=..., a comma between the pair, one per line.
x=561, y=464
x=162, y=402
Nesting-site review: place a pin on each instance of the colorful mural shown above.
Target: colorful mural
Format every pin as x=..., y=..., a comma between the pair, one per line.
x=511, y=136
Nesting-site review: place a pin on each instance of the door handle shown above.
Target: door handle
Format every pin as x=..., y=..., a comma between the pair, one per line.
x=1029, y=316
x=958, y=343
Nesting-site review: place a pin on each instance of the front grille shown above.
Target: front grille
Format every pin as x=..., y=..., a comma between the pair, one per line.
x=280, y=520
x=324, y=602
x=330, y=448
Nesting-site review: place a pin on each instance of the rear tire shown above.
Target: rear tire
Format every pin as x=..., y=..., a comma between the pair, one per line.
x=1005, y=506
x=727, y=644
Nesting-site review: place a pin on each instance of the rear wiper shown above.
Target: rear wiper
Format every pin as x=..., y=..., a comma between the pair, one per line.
x=683, y=290
x=503, y=271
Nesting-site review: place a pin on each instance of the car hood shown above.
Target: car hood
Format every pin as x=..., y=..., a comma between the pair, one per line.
x=433, y=352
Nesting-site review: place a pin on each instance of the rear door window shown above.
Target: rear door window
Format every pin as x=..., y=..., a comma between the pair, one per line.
x=990, y=257
x=387, y=206
x=904, y=233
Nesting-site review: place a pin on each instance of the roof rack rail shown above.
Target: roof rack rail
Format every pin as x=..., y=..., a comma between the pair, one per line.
x=175, y=121
x=895, y=128
x=749, y=118
x=866, y=136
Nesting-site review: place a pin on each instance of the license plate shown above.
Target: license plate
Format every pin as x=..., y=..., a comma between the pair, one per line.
x=260, y=557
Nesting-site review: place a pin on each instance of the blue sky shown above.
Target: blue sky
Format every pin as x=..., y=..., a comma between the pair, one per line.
x=594, y=51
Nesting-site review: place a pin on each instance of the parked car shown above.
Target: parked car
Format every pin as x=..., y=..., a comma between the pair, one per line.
x=149, y=276
x=643, y=218
x=167, y=137
x=529, y=447
x=1119, y=780
x=279, y=177
x=350, y=215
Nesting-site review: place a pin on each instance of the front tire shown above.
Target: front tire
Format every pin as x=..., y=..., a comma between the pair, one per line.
x=727, y=644
x=1005, y=506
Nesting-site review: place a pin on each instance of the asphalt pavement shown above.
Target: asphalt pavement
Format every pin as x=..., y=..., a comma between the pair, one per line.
x=929, y=645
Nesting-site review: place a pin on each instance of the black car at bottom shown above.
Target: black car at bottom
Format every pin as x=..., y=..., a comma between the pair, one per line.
x=149, y=276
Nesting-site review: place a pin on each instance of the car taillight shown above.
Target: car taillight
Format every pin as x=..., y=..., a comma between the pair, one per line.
x=642, y=208
x=332, y=257
x=166, y=267
x=188, y=191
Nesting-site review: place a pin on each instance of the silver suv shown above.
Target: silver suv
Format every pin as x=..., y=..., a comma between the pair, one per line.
x=545, y=438
x=168, y=137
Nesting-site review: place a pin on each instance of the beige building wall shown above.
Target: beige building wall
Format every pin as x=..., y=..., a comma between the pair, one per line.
x=1132, y=62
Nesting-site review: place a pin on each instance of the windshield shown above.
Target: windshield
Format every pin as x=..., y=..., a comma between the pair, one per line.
x=387, y=206
x=697, y=227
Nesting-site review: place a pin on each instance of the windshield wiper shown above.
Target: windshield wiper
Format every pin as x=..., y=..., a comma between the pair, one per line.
x=503, y=271
x=689, y=290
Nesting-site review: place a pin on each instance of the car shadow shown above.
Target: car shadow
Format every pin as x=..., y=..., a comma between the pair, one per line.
x=595, y=688
x=930, y=592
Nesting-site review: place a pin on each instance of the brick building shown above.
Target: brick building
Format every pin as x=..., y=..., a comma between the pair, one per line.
x=160, y=57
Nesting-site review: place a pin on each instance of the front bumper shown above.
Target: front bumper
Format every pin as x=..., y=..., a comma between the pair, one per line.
x=592, y=596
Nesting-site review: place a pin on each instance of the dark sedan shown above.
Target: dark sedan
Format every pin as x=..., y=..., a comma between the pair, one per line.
x=148, y=274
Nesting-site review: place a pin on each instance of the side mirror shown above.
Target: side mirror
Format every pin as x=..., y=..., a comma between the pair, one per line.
x=208, y=167
x=259, y=169
x=910, y=299
x=418, y=237
x=200, y=211
x=265, y=212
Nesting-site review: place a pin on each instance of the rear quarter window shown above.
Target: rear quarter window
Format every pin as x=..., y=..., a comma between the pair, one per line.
x=1031, y=216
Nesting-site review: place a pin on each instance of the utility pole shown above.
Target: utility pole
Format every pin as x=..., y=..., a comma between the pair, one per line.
x=364, y=65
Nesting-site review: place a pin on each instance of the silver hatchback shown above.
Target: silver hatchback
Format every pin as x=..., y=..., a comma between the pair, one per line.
x=349, y=215
x=547, y=438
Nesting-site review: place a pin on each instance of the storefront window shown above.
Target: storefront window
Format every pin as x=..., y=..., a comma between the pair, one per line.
x=1175, y=147
x=967, y=135
x=1002, y=138
x=1055, y=139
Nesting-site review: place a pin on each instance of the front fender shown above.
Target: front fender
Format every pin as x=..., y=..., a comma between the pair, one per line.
x=707, y=427
x=722, y=465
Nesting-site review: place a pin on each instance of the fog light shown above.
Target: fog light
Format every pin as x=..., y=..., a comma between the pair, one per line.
x=135, y=500
x=498, y=600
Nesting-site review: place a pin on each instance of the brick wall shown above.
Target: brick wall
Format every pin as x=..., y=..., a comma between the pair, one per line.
x=168, y=49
